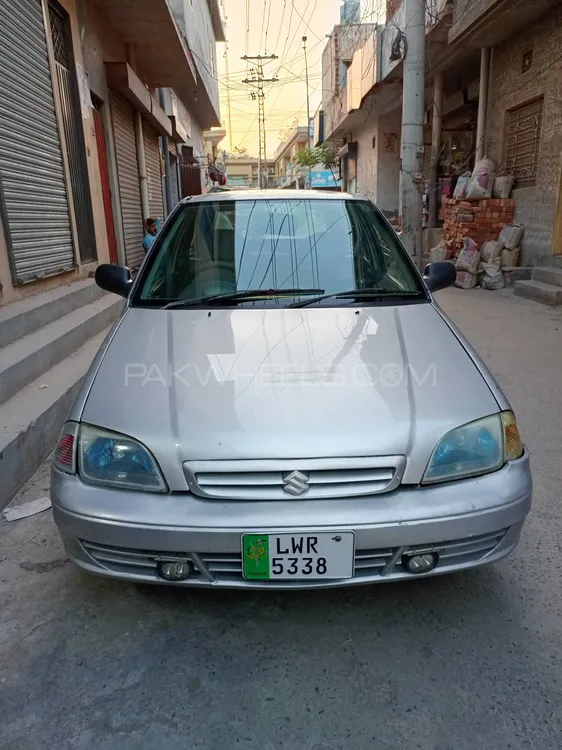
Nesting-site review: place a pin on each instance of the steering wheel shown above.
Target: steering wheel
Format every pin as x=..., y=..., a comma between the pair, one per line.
x=215, y=278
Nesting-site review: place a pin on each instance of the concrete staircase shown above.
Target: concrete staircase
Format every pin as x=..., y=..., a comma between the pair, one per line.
x=47, y=343
x=545, y=286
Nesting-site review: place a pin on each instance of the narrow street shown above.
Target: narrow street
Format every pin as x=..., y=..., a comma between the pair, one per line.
x=470, y=661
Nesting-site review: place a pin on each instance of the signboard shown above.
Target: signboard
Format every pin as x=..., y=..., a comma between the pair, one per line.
x=324, y=179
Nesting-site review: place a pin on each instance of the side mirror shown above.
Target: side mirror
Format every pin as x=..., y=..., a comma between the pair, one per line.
x=439, y=275
x=115, y=279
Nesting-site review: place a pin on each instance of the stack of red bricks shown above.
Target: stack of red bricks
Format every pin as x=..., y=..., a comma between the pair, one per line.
x=480, y=220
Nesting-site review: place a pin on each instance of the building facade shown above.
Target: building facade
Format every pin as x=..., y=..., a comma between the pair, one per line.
x=492, y=88
x=244, y=172
x=98, y=100
x=287, y=172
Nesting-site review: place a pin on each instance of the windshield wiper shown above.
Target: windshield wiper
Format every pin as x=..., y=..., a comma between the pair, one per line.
x=243, y=294
x=371, y=294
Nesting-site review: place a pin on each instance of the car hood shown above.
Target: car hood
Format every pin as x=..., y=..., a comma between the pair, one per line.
x=286, y=383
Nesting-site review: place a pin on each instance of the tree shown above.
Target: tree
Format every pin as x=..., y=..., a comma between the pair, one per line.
x=239, y=152
x=286, y=132
x=322, y=154
x=327, y=156
x=308, y=158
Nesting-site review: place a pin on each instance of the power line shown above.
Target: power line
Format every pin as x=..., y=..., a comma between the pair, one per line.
x=263, y=23
x=281, y=24
x=286, y=50
x=258, y=81
x=267, y=26
x=307, y=24
x=247, y=42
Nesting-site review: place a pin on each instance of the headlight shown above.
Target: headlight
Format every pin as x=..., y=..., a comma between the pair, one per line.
x=476, y=448
x=115, y=460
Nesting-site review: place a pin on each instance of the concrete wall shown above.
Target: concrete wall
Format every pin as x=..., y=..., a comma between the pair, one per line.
x=194, y=20
x=388, y=170
x=510, y=87
x=466, y=12
x=348, y=39
x=388, y=35
x=330, y=71
x=367, y=158
x=201, y=39
x=378, y=166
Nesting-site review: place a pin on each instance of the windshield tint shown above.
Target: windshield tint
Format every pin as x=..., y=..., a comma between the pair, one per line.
x=215, y=248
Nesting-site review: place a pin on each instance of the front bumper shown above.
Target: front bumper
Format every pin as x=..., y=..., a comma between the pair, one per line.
x=123, y=534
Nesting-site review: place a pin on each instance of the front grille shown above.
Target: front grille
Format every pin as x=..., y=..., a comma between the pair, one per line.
x=224, y=568
x=317, y=478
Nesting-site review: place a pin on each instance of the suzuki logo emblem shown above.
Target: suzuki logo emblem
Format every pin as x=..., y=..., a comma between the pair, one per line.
x=296, y=483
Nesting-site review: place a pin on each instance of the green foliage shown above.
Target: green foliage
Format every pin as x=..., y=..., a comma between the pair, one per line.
x=239, y=152
x=306, y=158
x=326, y=156
x=323, y=154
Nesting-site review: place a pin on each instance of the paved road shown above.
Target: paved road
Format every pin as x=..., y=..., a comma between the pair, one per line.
x=467, y=662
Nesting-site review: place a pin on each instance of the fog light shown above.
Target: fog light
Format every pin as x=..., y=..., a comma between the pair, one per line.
x=174, y=570
x=423, y=563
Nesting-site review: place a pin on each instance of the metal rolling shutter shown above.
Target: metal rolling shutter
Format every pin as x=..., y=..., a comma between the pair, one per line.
x=153, y=171
x=351, y=167
x=31, y=167
x=128, y=177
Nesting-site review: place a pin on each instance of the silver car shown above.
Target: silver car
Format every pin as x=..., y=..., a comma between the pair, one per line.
x=283, y=404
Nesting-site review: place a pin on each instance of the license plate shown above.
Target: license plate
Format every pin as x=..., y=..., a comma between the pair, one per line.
x=269, y=557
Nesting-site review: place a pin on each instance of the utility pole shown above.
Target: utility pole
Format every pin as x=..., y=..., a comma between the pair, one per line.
x=411, y=177
x=229, y=110
x=438, y=81
x=304, y=41
x=482, y=103
x=258, y=81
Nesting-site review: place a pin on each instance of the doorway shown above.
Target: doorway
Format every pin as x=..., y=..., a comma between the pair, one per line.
x=105, y=185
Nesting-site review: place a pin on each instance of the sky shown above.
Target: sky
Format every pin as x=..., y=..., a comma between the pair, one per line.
x=275, y=27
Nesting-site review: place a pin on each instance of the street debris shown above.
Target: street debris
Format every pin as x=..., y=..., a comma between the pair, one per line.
x=27, y=509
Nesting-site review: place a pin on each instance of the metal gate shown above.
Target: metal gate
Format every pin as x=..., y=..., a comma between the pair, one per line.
x=105, y=186
x=190, y=176
x=153, y=171
x=35, y=201
x=128, y=177
x=73, y=131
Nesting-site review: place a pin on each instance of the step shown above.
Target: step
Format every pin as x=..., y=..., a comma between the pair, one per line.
x=546, y=294
x=556, y=260
x=23, y=361
x=30, y=422
x=22, y=318
x=548, y=275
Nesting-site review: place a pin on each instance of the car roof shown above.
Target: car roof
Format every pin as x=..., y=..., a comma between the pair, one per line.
x=253, y=195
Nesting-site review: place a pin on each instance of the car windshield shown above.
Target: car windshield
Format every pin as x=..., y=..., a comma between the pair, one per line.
x=272, y=252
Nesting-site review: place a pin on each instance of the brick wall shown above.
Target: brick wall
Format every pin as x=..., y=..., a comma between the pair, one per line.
x=480, y=220
x=510, y=87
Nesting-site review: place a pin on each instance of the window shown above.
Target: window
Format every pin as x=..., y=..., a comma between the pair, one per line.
x=345, y=66
x=218, y=247
x=522, y=142
x=527, y=61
